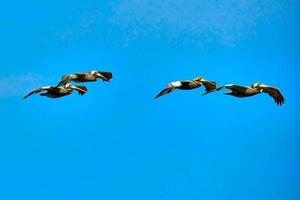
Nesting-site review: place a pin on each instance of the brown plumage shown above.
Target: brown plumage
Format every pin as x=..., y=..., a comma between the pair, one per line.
x=188, y=85
x=58, y=91
x=272, y=91
x=86, y=77
x=254, y=89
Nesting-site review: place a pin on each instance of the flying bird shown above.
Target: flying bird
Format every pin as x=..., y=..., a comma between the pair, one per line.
x=271, y=91
x=254, y=89
x=188, y=85
x=91, y=76
x=58, y=91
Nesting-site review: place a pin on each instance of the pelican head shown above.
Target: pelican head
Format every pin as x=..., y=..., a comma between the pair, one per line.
x=98, y=75
x=68, y=87
x=197, y=78
x=95, y=73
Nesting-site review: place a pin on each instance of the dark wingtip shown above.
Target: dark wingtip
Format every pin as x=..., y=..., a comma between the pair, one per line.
x=209, y=91
x=204, y=93
x=280, y=102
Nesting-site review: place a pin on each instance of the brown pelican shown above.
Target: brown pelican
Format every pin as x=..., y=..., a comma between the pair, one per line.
x=86, y=77
x=272, y=91
x=254, y=89
x=188, y=85
x=58, y=91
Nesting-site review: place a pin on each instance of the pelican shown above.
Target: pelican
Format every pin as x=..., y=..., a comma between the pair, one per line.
x=271, y=91
x=254, y=89
x=188, y=85
x=58, y=91
x=86, y=77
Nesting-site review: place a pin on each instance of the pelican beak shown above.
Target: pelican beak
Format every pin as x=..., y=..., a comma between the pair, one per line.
x=98, y=75
x=77, y=88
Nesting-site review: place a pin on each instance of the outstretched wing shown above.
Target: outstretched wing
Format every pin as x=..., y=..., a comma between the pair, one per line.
x=37, y=91
x=234, y=87
x=273, y=92
x=65, y=80
x=209, y=86
x=80, y=89
x=164, y=91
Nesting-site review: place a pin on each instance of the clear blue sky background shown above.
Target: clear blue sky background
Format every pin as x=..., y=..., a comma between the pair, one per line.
x=116, y=142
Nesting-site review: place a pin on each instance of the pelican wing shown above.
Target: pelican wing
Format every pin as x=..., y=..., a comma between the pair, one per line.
x=209, y=85
x=229, y=86
x=65, y=80
x=80, y=89
x=38, y=90
x=77, y=77
x=273, y=92
x=165, y=91
x=234, y=87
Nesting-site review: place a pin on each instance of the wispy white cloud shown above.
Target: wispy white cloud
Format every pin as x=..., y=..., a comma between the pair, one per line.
x=226, y=21
x=18, y=85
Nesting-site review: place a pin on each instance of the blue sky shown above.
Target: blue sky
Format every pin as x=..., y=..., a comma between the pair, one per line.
x=116, y=142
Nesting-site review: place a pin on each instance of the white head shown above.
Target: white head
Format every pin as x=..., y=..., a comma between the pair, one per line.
x=96, y=74
x=68, y=85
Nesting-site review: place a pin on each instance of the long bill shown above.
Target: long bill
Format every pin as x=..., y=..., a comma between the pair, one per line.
x=78, y=88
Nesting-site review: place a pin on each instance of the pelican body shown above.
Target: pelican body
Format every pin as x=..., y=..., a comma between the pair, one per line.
x=187, y=85
x=254, y=89
x=58, y=91
x=86, y=77
x=240, y=91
